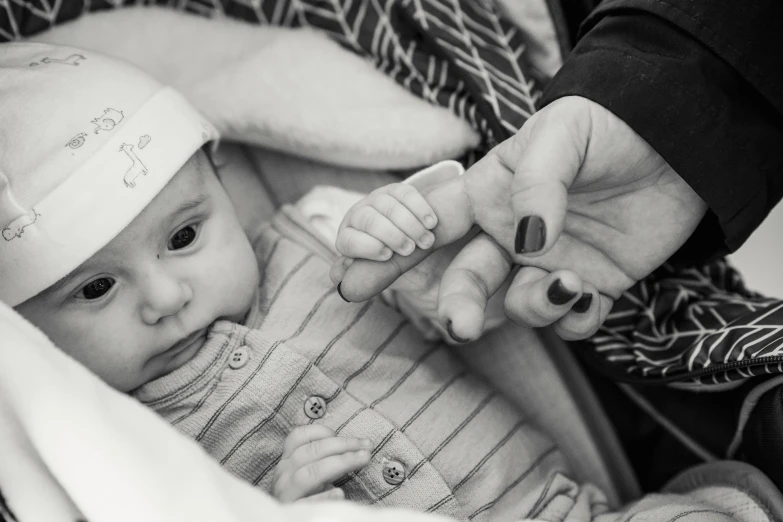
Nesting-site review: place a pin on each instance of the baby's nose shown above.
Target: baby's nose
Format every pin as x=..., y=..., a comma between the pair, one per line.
x=164, y=296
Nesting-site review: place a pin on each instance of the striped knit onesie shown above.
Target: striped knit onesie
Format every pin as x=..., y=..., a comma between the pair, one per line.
x=444, y=441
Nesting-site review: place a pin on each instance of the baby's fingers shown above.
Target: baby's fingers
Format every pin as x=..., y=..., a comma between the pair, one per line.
x=410, y=225
x=327, y=447
x=412, y=200
x=303, y=435
x=405, y=209
x=374, y=223
x=354, y=243
x=365, y=279
x=313, y=477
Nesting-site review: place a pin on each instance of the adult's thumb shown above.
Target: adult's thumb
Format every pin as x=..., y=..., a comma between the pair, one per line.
x=546, y=155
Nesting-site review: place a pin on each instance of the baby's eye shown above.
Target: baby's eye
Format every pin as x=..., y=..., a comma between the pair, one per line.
x=182, y=238
x=95, y=289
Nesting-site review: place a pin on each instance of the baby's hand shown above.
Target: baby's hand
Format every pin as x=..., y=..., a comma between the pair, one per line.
x=313, y=458
x=459, y=289
x=394, y=218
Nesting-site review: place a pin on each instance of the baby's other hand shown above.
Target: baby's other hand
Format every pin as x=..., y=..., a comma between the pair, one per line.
x=313, y=458
x=394, y=218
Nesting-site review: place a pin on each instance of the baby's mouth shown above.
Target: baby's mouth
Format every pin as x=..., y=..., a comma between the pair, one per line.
x=192, y=339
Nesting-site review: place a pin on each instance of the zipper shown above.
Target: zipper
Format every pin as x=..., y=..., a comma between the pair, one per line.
x=733, y=365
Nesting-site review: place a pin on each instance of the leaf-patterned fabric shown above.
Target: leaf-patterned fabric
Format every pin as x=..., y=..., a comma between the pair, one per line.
x=697, y=325
x=458, y=54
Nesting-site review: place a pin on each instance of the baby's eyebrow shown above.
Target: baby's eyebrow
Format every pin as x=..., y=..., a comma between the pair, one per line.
x=185, y=206
x=190, y=204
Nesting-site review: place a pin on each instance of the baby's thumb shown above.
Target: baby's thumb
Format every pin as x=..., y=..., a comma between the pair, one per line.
x=548, y=155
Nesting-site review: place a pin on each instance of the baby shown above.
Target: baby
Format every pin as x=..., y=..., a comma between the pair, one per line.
x=122, y=246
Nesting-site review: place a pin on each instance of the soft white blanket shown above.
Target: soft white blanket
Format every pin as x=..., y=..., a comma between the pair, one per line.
x=73, y=449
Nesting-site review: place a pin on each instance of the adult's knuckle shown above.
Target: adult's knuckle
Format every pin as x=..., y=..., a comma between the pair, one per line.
x=519, y=312
x=473, y=278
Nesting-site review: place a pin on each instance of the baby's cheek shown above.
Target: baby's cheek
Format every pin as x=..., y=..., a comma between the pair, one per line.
x=108, y=352
x=238, y=268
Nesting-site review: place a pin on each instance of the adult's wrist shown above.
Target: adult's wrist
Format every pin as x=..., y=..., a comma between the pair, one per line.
x=690, y=107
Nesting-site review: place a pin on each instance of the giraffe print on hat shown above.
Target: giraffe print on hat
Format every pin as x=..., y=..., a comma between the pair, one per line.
x=136, y=169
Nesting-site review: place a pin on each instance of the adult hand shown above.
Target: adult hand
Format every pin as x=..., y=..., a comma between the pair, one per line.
x=576, y=191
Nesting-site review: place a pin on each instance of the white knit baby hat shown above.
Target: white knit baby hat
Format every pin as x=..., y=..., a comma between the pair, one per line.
x=86, y=142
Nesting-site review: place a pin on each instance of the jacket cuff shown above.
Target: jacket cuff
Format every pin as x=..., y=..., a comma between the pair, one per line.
x=692, y=108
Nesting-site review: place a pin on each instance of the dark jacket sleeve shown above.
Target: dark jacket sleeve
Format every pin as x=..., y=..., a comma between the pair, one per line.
x=702, y=82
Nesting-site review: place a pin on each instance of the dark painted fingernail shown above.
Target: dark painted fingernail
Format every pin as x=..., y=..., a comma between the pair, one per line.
x=558, y=294
x=583, y=303
x=339, y=291
x=453, y=335
x=531, y=235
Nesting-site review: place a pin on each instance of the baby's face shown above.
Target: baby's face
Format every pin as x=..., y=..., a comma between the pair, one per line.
x=140, y=307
